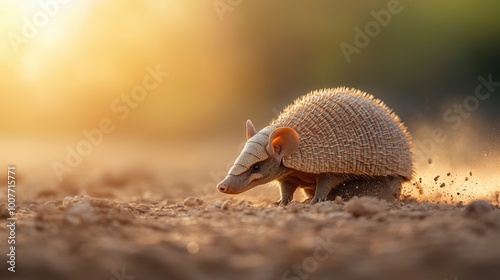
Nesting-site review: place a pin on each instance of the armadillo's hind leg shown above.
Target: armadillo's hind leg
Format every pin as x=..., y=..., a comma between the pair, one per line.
x=287, y=189
x=325, y=183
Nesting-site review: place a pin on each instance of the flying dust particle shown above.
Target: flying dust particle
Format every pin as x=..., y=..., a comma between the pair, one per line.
x=420, y=189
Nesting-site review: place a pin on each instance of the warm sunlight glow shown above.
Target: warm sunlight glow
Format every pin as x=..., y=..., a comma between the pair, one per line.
x=62, y=54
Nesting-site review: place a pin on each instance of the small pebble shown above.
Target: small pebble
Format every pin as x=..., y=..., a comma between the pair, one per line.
x=216, y=206
x=294, y=207
x=192, y=247
x=364, y=206
x=81, y=212
x=192, y=201
x=226, y=205
x=477, y=209
x=339, y=200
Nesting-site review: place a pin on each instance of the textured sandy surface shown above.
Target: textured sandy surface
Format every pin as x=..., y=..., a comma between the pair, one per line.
x=81, y=237
x=166, y=221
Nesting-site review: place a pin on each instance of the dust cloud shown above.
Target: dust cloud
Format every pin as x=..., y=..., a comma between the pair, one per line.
x=456, y=165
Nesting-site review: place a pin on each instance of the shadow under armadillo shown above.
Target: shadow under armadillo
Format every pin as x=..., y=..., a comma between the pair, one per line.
x=386, y=187
x=383, y=187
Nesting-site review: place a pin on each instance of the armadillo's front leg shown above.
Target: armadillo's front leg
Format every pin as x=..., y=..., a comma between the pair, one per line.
x=287, y=189
x=324, y=184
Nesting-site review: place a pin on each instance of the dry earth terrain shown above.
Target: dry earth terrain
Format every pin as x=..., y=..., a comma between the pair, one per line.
x=158, y=216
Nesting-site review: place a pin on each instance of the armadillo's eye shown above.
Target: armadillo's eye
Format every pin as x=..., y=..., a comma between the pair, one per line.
x=255, y=168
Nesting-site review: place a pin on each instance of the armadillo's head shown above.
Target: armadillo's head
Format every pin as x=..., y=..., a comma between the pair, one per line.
x=260, y=160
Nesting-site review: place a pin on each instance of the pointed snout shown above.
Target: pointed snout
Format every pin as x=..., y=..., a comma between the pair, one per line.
x=231, y=185
x=223, y=188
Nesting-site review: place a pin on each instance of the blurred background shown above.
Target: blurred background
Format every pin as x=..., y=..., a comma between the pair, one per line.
x=68, y=65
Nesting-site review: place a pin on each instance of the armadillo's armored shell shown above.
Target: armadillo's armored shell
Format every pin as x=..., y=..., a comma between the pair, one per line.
x=347, y=131
x=253, y=152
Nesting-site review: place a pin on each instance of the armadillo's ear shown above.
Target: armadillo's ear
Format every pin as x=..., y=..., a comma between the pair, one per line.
x=251, y=131
x=283, y=142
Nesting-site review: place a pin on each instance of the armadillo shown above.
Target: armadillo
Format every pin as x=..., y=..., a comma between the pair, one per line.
x=325, y=139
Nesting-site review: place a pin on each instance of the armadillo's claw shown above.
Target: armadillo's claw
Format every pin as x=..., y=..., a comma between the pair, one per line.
x=282, y=202
x=315, y=200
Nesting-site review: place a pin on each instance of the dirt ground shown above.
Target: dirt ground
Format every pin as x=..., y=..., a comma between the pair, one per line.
x=163, y=222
